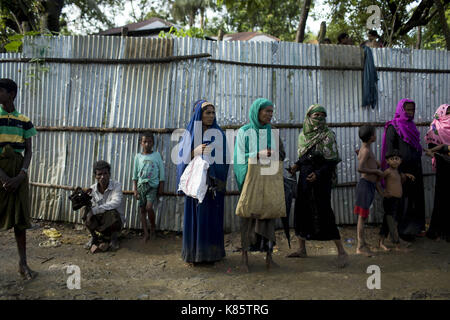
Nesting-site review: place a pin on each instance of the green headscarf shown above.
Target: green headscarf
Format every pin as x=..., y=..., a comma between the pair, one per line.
x=242, y=145
x=316, y=132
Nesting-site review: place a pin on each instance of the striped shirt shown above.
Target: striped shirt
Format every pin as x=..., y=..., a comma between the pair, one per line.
x=14, y=129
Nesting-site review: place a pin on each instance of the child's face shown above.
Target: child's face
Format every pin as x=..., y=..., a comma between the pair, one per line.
x=147, y=144
x=394, y=162
x=5, y=96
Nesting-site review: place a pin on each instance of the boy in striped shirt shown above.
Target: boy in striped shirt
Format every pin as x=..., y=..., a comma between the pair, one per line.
x=16, y=131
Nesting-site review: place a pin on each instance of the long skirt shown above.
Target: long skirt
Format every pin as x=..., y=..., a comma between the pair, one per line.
x=203, y=239
x=440, y=218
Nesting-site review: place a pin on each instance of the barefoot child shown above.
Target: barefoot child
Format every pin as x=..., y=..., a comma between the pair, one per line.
x=392, y=200
x=148, y=181
x=16, y=131
x=365, y=190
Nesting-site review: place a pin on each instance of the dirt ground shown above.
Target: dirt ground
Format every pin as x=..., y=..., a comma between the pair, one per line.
x=155, y=270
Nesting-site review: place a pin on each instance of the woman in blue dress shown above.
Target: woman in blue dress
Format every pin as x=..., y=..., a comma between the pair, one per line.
x=203, y=237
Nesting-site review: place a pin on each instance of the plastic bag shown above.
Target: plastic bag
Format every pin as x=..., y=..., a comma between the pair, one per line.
x=193, y=179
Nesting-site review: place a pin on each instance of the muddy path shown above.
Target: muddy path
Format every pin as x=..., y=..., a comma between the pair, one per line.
x=155, y=270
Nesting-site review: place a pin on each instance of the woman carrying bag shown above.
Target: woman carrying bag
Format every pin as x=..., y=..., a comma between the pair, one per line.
x=262, y=192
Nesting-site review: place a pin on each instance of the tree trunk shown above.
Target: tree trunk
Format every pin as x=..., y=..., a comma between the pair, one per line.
x=419, y=38
x=202, y=18
x=322, y=31
x=443, y=21
x=300, y=36
x=52, y=13
x=220, y=35
x=25, y=27
x=191, y=19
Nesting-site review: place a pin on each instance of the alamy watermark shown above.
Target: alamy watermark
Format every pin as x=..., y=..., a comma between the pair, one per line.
x=374, y=21
x=374, y=281
x=254, y=140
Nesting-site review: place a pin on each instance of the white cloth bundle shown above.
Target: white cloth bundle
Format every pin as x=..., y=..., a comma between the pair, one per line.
x=193, y=179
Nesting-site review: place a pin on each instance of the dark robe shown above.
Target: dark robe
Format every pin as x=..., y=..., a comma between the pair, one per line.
x=440, y=218
x=411, y=218
x=314, y=218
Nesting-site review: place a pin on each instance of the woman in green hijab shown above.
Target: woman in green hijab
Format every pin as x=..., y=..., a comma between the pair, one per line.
x=254, y=141
x=318, y=156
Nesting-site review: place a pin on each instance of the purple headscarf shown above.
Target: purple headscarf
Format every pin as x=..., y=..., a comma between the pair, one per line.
x=405, y=127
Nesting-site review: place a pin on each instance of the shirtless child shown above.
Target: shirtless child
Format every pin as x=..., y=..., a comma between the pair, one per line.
x=365, y=190
x=392, y=200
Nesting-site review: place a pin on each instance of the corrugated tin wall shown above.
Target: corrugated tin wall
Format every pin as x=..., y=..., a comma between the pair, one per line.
x=160, y=95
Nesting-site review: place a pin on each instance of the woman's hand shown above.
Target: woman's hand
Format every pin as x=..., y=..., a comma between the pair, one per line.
x=266, y=153
x=293, y=169
x=202, y=149
x=432, y=151
x=311, y=177
x=136, y=194
x=410, y=176
x=429, y=153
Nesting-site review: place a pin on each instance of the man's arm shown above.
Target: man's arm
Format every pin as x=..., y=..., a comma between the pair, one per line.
x=161, y=188
x=161, y=175
x=113, y=203
x=28, y=154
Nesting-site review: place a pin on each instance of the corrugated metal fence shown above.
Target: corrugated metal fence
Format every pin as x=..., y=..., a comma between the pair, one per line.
x=89, y=95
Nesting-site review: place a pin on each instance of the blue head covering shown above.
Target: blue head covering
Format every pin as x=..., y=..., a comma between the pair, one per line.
x=216, y=170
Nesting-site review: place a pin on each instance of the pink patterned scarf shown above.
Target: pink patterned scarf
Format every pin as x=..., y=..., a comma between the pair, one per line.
x=439, y=132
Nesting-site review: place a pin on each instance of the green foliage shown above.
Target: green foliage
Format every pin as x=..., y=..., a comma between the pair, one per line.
x=181, y=33
x=432, y=36
x=275, y=17
x=351, y=16
x=15, y=41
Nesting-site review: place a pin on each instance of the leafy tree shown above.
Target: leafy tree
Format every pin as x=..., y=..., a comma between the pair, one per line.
x=186, y=11
x=398, y=22
x=35, y=15
x=146, y=9
x=279, y=18
x=432, y=36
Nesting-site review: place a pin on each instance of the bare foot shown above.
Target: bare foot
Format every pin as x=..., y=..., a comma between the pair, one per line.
x=405, y=244
x=364, y=250
x=342, y=260
x=104, y=246
x=298, y=254
x=382, y=246
x=94, y=249
x=26, y=273
x=402, y=248
x=270, y=263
